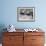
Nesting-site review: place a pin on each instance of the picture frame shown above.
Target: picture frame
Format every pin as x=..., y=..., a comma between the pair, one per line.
x=26, y=14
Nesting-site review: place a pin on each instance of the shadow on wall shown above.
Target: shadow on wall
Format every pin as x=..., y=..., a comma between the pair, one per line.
x=2, y=26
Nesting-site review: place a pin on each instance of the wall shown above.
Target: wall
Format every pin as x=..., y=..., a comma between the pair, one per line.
x=8, y=13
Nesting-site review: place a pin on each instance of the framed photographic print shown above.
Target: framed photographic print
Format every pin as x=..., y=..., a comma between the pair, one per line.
x=26, y=14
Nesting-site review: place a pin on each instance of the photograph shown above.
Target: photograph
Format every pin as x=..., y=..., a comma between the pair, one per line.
x=26, y=14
